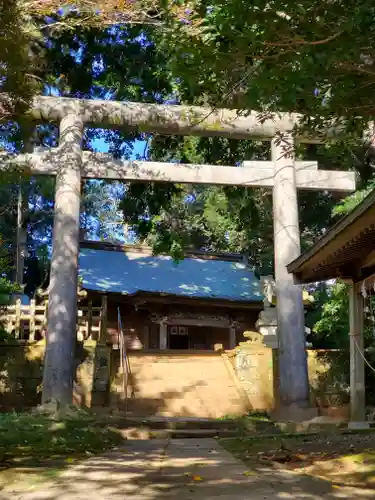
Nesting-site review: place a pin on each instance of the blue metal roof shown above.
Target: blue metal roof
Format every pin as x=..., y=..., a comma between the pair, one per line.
x=132, y=272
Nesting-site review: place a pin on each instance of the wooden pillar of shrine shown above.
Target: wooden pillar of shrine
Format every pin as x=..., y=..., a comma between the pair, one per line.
x=357, y=364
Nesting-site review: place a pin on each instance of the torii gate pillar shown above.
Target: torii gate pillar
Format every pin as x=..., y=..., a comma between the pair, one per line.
x=294, y=384
x=62, y=303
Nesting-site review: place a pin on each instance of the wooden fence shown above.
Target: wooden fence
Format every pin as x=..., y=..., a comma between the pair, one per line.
x=29, y=322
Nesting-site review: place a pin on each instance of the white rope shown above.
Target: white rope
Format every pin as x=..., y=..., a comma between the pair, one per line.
x=361, y=352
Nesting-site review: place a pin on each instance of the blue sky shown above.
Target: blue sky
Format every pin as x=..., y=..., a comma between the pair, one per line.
x=102, y=146
x=116, y=229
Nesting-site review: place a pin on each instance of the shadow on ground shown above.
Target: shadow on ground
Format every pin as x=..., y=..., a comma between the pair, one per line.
x=183, y=469
x=341, y=457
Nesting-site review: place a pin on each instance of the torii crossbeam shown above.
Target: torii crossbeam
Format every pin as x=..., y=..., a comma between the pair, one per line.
x=70, y=164
x=249, y=174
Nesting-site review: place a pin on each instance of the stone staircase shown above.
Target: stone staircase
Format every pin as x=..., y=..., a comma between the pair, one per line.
x=171, y=427
x=184, y=385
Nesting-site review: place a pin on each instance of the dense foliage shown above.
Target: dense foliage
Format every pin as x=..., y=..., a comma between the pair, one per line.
x=132, y=62
x=221, y=219
x=18, y=34
x=311, y=57
x=329, y=320
x=6, y=286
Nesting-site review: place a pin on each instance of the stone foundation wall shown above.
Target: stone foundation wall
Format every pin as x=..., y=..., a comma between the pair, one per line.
x=21, y=375
x=256, y=367
x=255, y=370
x=98, y=381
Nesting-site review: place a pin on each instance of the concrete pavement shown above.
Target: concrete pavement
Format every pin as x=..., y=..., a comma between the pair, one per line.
x=180, y=469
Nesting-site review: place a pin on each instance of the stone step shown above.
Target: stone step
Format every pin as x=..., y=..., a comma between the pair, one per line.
x=255, y=426
x=142, y=433
x=201, y=433
x=200, y=386
x=171, y=423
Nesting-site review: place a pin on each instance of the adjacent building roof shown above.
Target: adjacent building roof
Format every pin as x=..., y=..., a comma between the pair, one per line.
x=130, y=271
x=346, y=251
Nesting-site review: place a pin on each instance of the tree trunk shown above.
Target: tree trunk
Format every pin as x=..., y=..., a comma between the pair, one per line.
x=21, y=234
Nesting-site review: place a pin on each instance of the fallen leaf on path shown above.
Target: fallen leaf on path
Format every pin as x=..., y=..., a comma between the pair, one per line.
x=249, y=473
x=69, y=460
x=197, y=478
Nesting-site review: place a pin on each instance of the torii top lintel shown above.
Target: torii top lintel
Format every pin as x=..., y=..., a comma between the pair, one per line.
x=169, y=119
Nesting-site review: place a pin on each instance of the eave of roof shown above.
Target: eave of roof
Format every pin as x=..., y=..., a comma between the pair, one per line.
x=146, y=250
x=141, y=298
x=349, y=250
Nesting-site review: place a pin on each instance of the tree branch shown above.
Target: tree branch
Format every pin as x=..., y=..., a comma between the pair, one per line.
x=353, y=67
x=291, y=43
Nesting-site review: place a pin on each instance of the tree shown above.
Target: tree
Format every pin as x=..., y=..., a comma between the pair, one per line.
x=18, y=36
x=315, y=58
x=328, y=319
x=172, y=218
x=312, y=57
x=128, y=62
x=101, y=216
x=26, y=203
x=120, y=62
x=24, y=25
x=223, y=219
x=6, y=286
x=100, y=13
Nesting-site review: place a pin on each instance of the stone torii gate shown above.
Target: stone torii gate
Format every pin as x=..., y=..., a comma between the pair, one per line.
x=70, y=164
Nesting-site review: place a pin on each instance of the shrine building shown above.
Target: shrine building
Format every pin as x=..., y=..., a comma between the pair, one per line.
x=203, y=303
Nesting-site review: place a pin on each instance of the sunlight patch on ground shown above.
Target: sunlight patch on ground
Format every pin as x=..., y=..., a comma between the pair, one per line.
x=356, y=470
